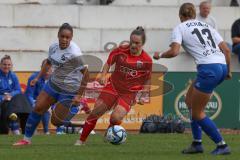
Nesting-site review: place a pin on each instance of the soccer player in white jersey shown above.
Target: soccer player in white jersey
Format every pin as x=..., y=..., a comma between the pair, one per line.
x=212, y=57
x=67, y=81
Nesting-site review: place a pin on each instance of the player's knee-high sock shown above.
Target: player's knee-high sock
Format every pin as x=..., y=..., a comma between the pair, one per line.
x=32, y=122
x=45, y=121
x=14, y=125
x=196, y=131
x=88, y=127
x=73, y=111
x=211, y=130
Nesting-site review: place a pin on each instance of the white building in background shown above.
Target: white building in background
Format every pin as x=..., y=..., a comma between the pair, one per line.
x=27, y=30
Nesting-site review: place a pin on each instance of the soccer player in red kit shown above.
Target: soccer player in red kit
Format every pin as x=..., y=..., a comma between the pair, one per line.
x=132, y=73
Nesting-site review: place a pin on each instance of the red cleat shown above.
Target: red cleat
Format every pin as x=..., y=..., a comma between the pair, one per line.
x=22, y=142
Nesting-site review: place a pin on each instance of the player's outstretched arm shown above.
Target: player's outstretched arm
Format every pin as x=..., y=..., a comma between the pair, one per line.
x=226, y=51
x=103, y=77
x=77, y=99
x=45, y=66
x=173, y=51
x=144, y=92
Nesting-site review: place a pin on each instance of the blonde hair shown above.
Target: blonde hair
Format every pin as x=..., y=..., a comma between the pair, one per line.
x=187, y=10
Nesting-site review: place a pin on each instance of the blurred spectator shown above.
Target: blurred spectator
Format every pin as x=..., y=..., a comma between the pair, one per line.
x=105, y=2
x=13, y=104
x=32, y=93
x=236, y=38
x=234, y=3
x=81, y=2
x=93, y=2
x=203, y=15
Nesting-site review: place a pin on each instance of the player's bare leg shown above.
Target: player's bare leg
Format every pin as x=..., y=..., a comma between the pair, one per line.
x=99, y=109
x=59, y=115
x=198, y=102
x=196, y=146
x=117, y=115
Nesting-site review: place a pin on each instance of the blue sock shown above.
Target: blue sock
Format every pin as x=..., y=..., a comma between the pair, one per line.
x=196, y=131
x=32, y=122
x=14, y=125
x=45, y=121
x=73, y=111
x=60, y=129
x=210, y=129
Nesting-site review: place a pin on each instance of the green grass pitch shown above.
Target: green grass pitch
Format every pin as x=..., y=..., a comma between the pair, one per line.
x=137, y=147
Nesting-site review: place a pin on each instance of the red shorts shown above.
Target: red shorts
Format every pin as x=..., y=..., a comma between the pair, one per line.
x=112, y=97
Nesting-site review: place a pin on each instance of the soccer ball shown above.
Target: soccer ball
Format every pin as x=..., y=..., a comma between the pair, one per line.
x=116, y=135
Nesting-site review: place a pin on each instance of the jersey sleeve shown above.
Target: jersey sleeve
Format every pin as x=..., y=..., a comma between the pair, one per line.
x=176, y=35
x=214, y=23
x=77, y=56
x=112, y=57
x=16, y=87
x=149, y=70
x=218, y=38
x=50, y=51
x=75, y=50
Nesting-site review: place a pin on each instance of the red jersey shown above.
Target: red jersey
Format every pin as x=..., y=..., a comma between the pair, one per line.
x=131, y=72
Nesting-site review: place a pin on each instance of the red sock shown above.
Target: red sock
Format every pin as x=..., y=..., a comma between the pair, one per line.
x=88, y=127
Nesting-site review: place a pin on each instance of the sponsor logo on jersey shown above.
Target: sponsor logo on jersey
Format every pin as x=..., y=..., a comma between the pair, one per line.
x=128, y=71
x=54, y=62
x=63, y=58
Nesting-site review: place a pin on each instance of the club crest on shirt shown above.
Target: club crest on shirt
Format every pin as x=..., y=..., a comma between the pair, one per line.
x=63, y=58
x=139, y=64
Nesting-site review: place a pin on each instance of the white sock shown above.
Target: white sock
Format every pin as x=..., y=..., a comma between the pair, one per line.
x=197, y=140
x=221, y=143
x=16, y=132
x=27, y=138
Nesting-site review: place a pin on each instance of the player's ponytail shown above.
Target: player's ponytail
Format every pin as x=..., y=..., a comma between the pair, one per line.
x=65, y=26
x=187, y=10
x=141, y=32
